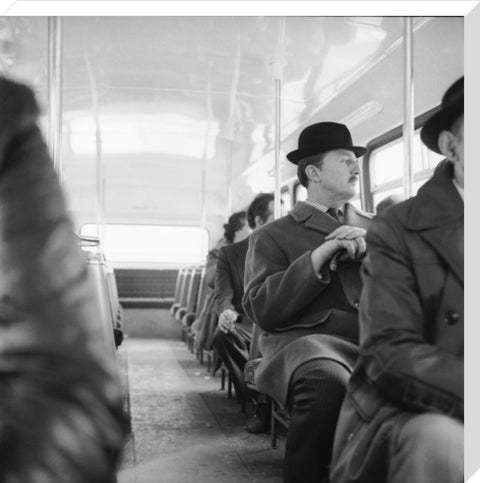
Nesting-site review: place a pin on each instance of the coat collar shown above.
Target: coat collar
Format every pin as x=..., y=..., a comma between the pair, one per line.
x=437, y=213
x=316, y=219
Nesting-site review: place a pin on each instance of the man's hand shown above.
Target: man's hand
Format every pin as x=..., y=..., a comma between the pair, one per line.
x=226, y=320
x=346, y=242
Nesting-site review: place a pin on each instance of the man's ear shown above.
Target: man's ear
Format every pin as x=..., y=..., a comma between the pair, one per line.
x=447, y=145
x=258, y=221
x=312, y=173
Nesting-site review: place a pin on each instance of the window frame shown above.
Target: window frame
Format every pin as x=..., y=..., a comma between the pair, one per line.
x=384, y=139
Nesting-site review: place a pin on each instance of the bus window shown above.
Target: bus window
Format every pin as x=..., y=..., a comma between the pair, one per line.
x=287, y=201
x=152, y=244
x=300, y=193
x=386, y=167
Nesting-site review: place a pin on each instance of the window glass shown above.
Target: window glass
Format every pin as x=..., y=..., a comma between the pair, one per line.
x=287, y=201
x=152, y=243
x=300, y=193
x=386, y=162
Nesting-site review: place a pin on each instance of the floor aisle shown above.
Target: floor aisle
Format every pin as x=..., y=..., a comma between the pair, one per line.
x=184, y=428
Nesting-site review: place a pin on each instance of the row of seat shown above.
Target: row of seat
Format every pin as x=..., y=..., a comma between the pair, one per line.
x=106, y=292
x=190, y=294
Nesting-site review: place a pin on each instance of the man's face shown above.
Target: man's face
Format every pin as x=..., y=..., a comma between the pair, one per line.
x=458, y=161
x=339, y=174
x=271, y=212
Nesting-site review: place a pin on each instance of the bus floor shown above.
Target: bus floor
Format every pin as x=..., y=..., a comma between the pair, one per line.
x=184, y=427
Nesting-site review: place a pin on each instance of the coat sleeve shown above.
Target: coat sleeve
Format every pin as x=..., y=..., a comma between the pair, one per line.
x=398, y=361
x=277, y=291
x=223, y=284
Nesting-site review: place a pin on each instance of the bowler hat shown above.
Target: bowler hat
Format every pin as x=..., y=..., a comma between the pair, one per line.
x=322, y=137
x=450, y=110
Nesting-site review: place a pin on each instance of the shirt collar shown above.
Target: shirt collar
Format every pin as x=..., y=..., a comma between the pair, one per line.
x=323, y=208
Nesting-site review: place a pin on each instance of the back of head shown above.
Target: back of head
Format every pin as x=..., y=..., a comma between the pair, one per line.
x=387, y=203
x=235, y=223
x=260, y=206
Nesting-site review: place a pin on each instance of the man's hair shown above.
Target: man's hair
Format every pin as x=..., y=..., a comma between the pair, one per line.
x=316, y=160
x=235, y=223
x=259, y=207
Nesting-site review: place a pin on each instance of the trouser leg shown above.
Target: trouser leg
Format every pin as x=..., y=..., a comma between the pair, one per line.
x=232, y=349
x=316, y=393
x=427, y=449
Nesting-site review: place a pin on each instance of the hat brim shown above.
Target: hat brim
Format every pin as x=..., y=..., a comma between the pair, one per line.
x=440, y=121
x=298, y=154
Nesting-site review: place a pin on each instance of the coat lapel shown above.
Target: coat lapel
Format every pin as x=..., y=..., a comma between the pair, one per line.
x=317, y=220
x=447, y=241
x=437, y=215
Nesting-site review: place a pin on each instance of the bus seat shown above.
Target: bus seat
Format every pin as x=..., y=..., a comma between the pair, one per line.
x=98, y=274
x=178, y=290
x=278, y=414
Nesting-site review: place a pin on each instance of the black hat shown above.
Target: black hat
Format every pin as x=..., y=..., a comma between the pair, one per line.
x=322, y=137
x=450, y=110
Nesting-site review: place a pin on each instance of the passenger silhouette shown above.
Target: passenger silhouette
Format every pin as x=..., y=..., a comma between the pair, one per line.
x=302, y=285
x=60, y=406
x=402, y=419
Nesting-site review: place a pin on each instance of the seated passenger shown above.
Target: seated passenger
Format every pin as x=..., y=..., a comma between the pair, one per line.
x=60, y=405
x=307, y=309
x=402, y=419
x=234, y=335
x=235, y=230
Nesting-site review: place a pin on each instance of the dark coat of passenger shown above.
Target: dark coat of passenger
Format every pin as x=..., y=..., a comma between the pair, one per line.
x=60, y=404
x=303, y=317
x=229, y=277
x=411, y=328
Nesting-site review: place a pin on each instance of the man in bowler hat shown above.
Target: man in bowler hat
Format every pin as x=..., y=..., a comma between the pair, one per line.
x=402, y=419
x=302, y=287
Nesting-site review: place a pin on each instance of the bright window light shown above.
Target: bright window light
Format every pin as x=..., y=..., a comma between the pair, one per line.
x=146, y=133
x=152, y=243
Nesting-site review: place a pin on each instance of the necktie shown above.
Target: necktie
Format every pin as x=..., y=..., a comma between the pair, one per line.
x=334, y=212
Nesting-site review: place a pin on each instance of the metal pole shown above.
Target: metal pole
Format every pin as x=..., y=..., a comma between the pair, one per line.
x=54, y=91
x=100, y=171
x=278, y=65
x=277, y=196
x=209, y=110
x=229, y=177
x=409, y=115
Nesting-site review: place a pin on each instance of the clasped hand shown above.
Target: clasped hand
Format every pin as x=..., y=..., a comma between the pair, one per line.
x=226, y=320
x=346, y=242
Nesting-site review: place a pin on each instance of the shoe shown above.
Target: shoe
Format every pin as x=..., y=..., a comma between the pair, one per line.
x=260, y=421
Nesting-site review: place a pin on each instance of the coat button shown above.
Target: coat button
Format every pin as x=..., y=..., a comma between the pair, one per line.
x=451, y=317
x=355, y=303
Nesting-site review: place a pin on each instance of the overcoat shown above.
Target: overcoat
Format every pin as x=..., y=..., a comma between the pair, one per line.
x=229, y=277
x=61, y=404
x=411, y=318
x=302, y=316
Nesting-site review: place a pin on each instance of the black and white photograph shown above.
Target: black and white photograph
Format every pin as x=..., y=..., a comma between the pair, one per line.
x=232, y=242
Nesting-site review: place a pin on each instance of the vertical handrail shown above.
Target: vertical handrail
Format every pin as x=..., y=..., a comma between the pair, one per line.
x=278, y=65
x=54, y=91
x=203, y=208
x=229, y=178
x=100, y=173
x=229, y=129
x=409, y=115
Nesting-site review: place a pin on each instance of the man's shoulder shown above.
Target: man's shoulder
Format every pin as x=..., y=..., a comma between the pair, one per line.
x=274, y=227
x=234, y=249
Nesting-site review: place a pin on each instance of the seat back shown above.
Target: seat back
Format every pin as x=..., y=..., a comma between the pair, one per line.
x=193, y=290
x=97, y=272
